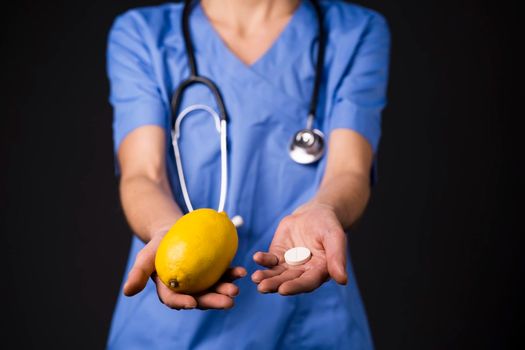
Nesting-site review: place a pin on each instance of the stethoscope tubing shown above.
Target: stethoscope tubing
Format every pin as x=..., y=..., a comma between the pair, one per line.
x=220, y=125
x=220, y=118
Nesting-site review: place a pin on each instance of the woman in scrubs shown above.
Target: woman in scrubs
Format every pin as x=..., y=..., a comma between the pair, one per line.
x=262, y=56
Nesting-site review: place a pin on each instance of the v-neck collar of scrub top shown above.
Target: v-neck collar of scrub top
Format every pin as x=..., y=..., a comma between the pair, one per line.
x=294, y=39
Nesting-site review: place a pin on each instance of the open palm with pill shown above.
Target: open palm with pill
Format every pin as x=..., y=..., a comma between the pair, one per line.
x=312, y=226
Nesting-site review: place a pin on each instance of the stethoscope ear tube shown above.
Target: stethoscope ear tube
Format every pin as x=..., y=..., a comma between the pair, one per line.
x=194, y=80
x=220, y=124
x=222, y=130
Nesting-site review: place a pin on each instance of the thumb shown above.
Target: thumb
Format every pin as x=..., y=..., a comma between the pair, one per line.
x=142, y=268
x=335, y=246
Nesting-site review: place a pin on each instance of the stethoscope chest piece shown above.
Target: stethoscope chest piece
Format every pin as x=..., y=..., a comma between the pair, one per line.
x=307, y=146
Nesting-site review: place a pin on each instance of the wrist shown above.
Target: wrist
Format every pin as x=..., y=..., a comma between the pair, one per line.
x=315, y=203
x=159, y=232
x=338, y=210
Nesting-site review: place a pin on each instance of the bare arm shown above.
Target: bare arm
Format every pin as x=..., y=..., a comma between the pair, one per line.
x=144, y=189
x=346, y=182
x=151, y=211
x=319, y=224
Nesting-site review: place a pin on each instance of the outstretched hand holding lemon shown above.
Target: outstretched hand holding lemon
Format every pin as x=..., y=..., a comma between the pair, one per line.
x=190, y=263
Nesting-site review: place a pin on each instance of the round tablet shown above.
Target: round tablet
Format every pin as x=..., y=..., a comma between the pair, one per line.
x=297, y=255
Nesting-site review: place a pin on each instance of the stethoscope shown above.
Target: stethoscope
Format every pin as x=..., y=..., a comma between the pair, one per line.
x=306, y=147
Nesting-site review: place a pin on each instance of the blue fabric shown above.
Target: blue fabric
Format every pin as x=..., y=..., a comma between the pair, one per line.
x=267, y=103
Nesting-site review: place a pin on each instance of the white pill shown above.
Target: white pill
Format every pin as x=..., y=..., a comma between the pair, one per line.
x=297, y=255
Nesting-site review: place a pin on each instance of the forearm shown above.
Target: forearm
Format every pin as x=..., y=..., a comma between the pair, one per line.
x=148, y=205
x=347, y=193
x=346, y=183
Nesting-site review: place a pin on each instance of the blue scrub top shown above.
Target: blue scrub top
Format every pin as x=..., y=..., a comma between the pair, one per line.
x=267, y=102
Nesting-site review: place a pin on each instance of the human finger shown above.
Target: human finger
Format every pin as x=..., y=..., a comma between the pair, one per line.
x=335, y=248
x=260, y=275
x=225, y=288
x=266, y=259
x=307, y=282
x=214, y=301
x=234, y=273
x=272, y=284
x=142, y=269
x=172, y=299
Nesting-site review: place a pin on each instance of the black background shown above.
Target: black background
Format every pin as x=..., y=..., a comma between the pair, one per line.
x=437, y=254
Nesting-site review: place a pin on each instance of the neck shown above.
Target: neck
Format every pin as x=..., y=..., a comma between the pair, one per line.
x=244, y=15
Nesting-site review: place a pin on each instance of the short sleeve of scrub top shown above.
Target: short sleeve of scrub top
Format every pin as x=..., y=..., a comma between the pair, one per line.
x=134, y=91
x=361, y=93
x=357, y=102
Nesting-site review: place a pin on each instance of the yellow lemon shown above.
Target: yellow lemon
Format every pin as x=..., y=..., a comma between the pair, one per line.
x=196, y=251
